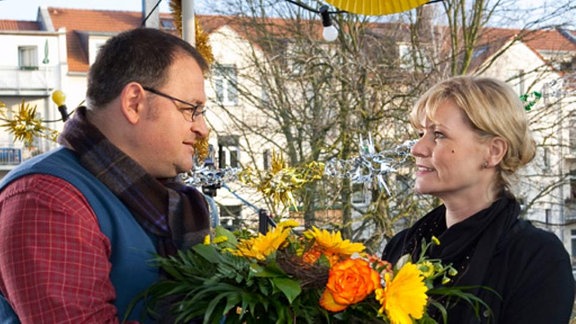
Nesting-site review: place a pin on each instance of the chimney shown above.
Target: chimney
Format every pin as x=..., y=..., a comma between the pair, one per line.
x=150, y=13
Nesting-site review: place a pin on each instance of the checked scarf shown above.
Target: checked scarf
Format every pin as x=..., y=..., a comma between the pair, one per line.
x=175, y=214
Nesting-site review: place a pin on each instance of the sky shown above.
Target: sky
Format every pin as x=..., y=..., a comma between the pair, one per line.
x=28, y=9
x=518, y=10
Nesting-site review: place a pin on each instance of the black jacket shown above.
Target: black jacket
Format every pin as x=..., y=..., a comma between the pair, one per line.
x=528, y=267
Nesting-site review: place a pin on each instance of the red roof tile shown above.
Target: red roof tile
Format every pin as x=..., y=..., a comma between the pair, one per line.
x=19, y=25
x=79, y=21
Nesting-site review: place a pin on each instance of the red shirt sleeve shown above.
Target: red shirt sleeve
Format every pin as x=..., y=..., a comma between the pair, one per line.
x=54, y=260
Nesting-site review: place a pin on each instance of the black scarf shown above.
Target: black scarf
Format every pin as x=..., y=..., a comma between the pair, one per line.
x=468, y=245
x=175, y=214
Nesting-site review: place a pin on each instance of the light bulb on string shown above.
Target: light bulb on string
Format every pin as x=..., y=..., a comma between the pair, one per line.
x=59, y=98
x=329, y=33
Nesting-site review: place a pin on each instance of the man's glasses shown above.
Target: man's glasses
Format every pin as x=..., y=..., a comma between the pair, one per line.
x=190, y=113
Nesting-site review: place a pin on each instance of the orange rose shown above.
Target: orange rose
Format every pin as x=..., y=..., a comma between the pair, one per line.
x=349, y=282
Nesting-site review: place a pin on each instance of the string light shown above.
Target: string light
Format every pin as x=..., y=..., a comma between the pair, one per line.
x=330, y=33
x=59, y=98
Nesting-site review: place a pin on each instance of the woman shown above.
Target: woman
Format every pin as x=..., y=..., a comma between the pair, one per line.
x=474, y=136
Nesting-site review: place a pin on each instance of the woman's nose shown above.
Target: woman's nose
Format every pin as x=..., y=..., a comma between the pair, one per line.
x=419, y=148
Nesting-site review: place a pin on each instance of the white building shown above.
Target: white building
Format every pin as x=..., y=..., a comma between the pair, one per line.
x=32, y=65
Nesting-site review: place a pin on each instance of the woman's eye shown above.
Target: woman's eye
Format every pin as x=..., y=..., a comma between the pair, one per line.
x=438, y=135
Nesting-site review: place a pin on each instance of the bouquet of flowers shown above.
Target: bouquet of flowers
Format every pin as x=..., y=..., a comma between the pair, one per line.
x=282, y=277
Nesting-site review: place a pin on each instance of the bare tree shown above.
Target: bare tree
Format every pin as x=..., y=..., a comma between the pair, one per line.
x=313, y=100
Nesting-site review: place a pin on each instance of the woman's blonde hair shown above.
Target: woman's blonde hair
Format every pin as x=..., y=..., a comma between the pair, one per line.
x=493, y=109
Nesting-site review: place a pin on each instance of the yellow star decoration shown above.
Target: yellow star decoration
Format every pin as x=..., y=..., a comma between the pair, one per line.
x=25, y=124
x=280, y=182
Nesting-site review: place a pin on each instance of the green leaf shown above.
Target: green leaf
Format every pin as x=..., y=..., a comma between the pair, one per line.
x=208, y=252
x=231, y=241
x=289, y=287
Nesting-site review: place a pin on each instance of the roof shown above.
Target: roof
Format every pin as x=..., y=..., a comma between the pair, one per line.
x=78, y=21
x=550, y=40
x=81, y=22
x=542, y=42
x=19, y=25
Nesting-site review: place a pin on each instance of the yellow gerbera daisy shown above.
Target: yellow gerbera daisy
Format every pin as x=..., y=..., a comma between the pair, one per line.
x=403, y=297
x=332, y=242
x=288, y=224
x=261, y=246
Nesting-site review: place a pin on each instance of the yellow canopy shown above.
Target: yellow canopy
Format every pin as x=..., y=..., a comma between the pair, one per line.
x=376, y=7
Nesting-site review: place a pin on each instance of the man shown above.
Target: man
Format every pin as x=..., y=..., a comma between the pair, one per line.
x=79, y=225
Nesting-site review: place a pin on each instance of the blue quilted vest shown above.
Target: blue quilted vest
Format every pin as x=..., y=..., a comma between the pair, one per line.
x=132, y=247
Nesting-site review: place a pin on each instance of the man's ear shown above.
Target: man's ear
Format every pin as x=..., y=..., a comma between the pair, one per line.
x=498, y=148
x=132, y=99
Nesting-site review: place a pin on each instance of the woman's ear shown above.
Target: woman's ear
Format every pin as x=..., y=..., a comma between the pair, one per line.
x=132, y=99
x=498, y=148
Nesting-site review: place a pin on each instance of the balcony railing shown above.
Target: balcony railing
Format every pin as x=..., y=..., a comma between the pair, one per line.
x=10, y=156
x=14, y=80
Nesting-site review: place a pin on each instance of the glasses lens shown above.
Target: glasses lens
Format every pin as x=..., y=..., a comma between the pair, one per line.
x=188, y=114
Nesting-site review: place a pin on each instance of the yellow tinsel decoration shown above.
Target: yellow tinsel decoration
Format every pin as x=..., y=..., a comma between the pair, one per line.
x=202, y=149
x=202, y=44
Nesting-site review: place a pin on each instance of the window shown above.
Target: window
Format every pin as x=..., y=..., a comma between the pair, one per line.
x=478, y=52
x=167, y=24
x=573, y=240
x=573, y=189
x=95, y=44
x=572, y=179
x=546, y=158
x=572, y=135
x=412, y=59
x=265, y=97
x=10, y=156
x=359, y=194
x=522, y=203
x=230, y=216
x=266, y=159
x=225, y=84
x=521, y=86
x=209, y=160
x=28, y=57
x=228, y=151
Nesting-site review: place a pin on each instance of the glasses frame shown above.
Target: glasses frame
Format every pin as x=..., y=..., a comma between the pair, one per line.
x=194, y=107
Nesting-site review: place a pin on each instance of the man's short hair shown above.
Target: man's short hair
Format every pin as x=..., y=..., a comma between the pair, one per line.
x=141, y=55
